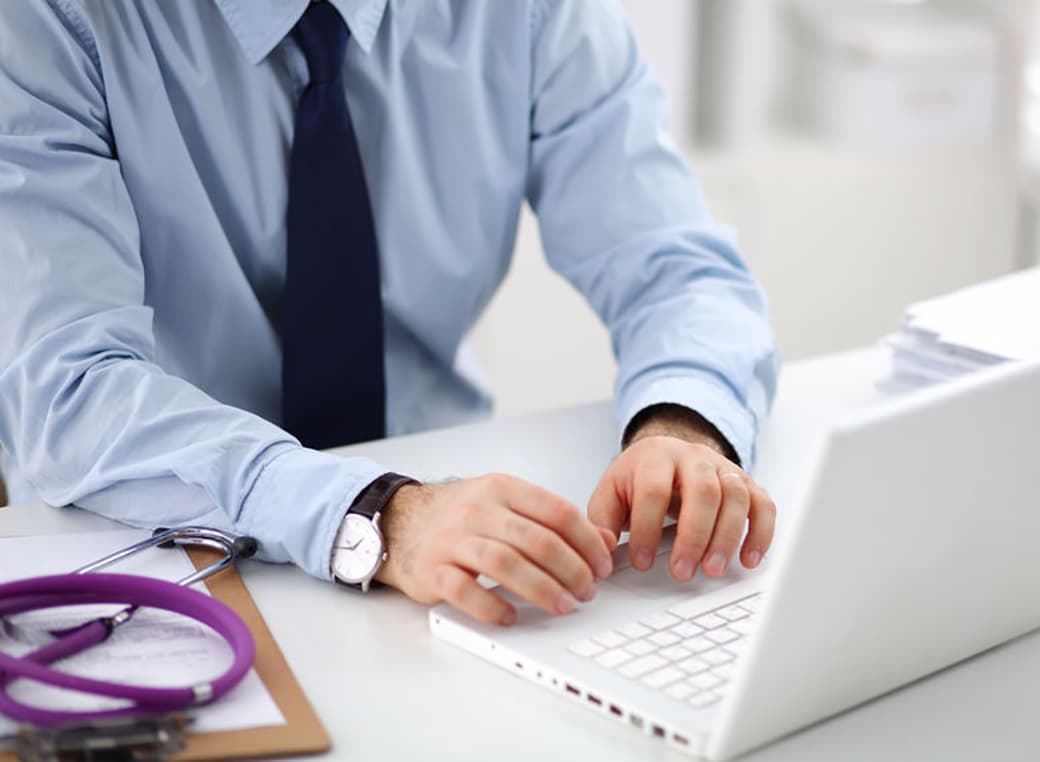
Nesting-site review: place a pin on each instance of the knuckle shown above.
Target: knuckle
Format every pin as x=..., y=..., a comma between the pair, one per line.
x=518, y=528
x=768, y=507
x=703, y=463
x=703, y=451
x=573, y=521
x=546, y=593
x=728, y=535
x=580, y=579
x=563, y=516
x=495, y=481
x=500, y=561
x=706, y=491
x=486, y=610
x=467, y=511
x=696, y=540
x=656, y=491
x=452, y=584
x=544, y=545
x=736, y=488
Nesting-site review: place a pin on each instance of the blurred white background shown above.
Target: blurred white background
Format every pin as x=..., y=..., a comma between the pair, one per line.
x=870, y=153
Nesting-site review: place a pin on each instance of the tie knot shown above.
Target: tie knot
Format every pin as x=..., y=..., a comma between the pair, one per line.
x=322, y=36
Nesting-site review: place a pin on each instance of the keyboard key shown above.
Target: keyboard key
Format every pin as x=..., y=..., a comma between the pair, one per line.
x=610, y=639
x=634, y=630
x=743, y=626
x=613, y=657
x=640, y=647
x=698, y=644
x=705, y=680
x=586, y=648
x=752, y=603
x=717, y=656
x=688, y=609
x=675, y=653
x=664, y=638
x=687, y=629
x=694, y=665
x=680, y=691
x=737, y=647
x=710, y=621
x=701, y=700
x=660, y=621
x=721, y=636
x=642, y=665
x=663, y=677
x=725, y=671
x=733, y=613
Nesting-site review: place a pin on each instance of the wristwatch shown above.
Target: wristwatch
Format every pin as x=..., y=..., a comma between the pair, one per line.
x=360, y=550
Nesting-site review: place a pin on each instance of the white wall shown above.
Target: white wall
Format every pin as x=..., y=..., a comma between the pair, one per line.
x=840, y=239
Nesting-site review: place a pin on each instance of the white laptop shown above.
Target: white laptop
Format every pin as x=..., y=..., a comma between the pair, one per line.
x=913, y=547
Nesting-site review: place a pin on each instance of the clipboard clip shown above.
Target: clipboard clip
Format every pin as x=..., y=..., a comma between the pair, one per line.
x=129, y=740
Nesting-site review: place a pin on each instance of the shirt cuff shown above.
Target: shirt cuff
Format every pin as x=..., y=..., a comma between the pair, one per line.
x=712, y=399
x=298, y=502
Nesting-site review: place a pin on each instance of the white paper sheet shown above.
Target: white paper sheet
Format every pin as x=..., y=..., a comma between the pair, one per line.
x=998, y=317
x=967, y=330
x=155, y=648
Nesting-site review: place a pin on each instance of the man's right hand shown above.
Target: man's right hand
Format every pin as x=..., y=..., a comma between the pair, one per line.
x=441, y=536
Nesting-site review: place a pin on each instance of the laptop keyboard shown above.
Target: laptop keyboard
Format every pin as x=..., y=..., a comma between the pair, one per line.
x=684, y=651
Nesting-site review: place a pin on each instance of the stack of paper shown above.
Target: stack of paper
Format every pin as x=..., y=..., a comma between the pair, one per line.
x=982, y=325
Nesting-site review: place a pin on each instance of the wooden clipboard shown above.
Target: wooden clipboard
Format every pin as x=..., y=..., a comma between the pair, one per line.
x=302, y=732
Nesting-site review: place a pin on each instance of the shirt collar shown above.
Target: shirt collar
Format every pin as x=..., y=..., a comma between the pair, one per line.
x=259, y=25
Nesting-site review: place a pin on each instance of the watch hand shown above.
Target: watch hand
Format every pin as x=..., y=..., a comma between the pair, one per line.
x=351, y=547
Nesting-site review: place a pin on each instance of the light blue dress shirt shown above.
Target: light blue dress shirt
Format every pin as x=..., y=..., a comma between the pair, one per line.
x=143, y=178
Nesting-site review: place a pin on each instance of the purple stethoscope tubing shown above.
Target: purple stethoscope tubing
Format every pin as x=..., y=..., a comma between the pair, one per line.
x=134, y=591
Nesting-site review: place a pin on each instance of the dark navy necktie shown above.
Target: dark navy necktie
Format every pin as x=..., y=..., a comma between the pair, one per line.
x=333, y=385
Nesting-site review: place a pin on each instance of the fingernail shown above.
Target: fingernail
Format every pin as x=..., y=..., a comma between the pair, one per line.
x=604, y=567
x=753, y=558
x=508, y=618
x=644, y=559
x=684, y=569
x=589, y=594
x=565, y=603
x=716, y=564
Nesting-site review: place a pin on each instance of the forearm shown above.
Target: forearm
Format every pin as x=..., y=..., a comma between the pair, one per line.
x=624, y=219
x=130, y=442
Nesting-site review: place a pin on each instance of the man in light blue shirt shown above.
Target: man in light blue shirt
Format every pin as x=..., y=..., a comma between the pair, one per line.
x=144, y=153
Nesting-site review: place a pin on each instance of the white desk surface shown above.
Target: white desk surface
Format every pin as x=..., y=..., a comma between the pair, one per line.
x=386, y=690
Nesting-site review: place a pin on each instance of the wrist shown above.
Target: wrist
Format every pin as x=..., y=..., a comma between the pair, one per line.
x=360, y=549
x=397, y=524
x=671, y=420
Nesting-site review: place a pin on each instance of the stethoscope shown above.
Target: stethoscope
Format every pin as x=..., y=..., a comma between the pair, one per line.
x=81, y=587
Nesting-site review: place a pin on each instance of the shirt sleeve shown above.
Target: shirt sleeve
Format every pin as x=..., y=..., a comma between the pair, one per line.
x=86, y=411
x=623, y=219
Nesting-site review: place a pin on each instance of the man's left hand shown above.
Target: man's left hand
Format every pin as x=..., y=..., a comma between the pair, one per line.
x=673, y=466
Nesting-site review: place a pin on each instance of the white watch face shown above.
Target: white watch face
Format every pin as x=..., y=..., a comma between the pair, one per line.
x=358, y=551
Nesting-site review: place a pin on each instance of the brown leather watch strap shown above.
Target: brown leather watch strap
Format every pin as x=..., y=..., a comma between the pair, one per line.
x=374, y=498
